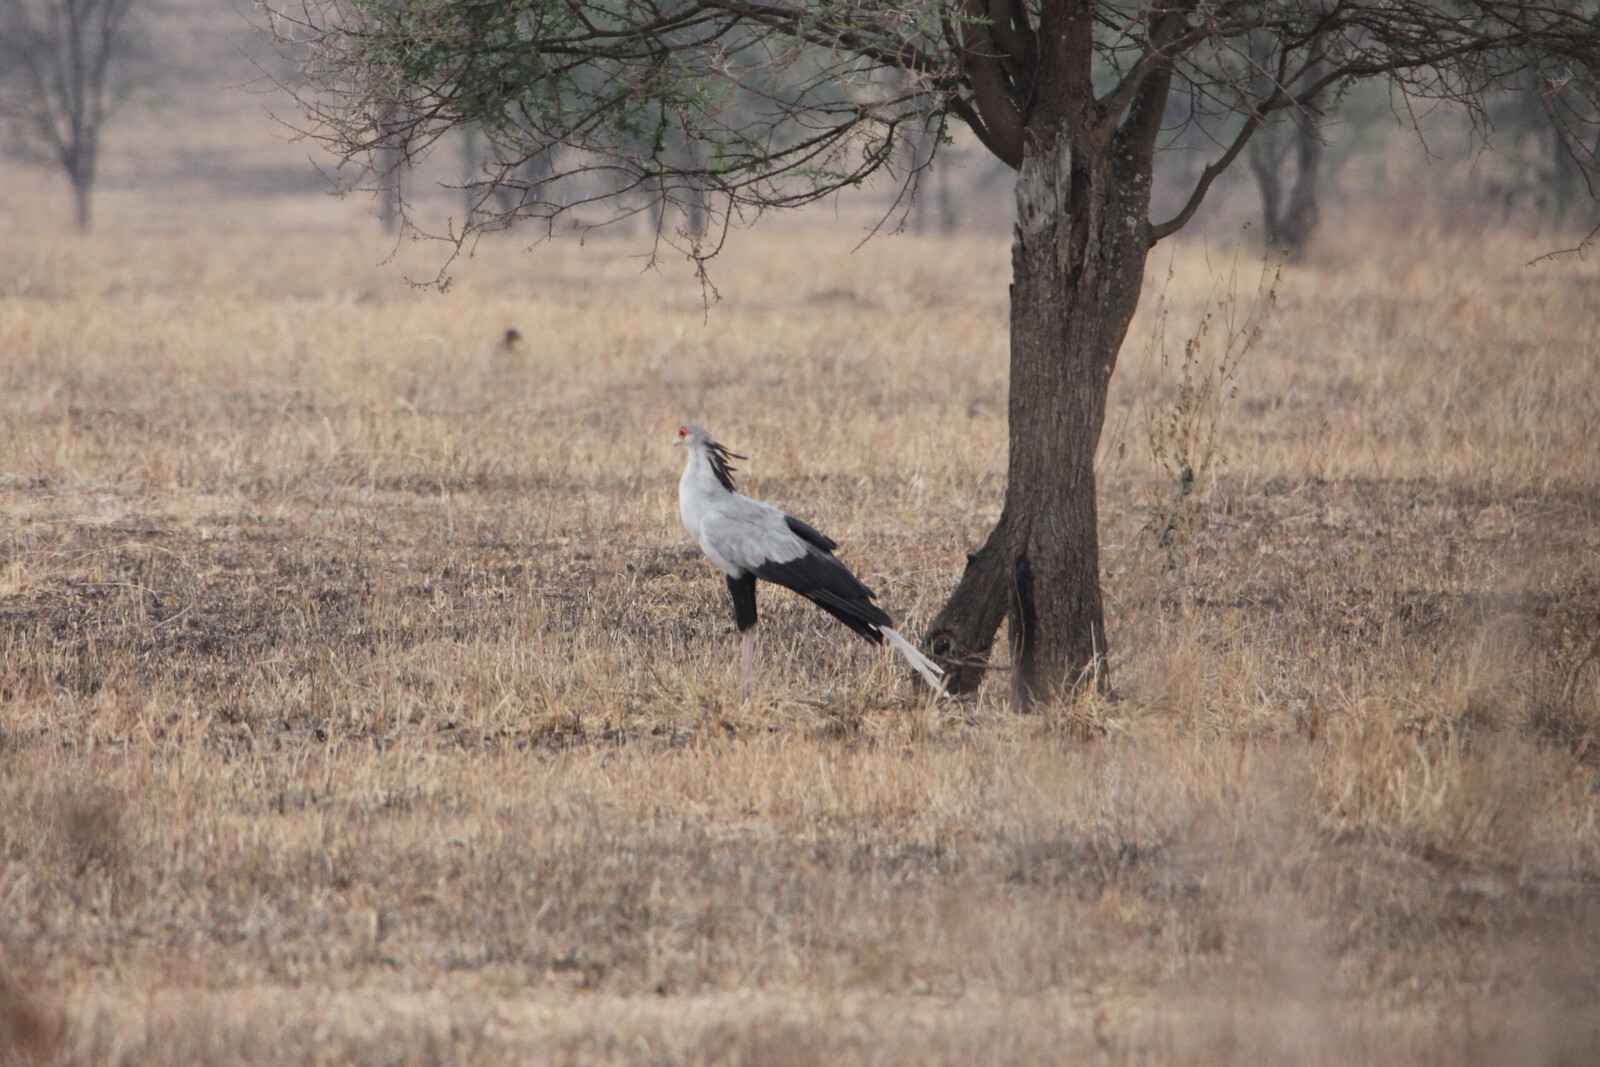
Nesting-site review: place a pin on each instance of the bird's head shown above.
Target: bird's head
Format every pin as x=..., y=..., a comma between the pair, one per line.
x=699, y=440
x=690, y=434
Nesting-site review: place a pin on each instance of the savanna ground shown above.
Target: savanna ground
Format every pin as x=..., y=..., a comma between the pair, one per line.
x=362, y=700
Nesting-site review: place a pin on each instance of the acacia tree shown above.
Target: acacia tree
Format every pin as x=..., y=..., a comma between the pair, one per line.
x=794, y=99
x=56, y=79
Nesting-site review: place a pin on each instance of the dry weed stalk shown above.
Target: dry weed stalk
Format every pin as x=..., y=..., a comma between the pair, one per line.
x=1183, y=431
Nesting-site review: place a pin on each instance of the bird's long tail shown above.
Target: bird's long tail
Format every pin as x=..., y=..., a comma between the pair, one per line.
x=931, y=671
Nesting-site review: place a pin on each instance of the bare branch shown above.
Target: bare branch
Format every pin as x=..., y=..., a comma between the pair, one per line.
x=983, y=66
x=1212, y=171
x=791, y=100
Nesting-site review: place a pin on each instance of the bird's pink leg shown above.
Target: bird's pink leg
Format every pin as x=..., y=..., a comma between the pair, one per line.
x=747, y=665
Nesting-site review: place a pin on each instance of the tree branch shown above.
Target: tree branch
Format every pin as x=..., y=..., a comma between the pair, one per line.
x=1143, y=93
x=1168, y=41
x=1207, y=176
x=982, y=64
x=1018, y=46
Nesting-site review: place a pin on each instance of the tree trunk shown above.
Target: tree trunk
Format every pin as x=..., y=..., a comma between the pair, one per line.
x=1302, y=214
x=391, y=211
x=1077, y=268
x=82, y=203
x=79, y=160
x=1082, y=234
x=1288, y=224
x=389, y=169
x=1077, y=264
x=1264, y=159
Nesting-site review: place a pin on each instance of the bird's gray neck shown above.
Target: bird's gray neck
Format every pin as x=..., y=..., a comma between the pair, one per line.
x=699, y=478
x=698, y=490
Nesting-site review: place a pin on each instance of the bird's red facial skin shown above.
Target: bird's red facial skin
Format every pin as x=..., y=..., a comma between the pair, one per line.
x=683, y=431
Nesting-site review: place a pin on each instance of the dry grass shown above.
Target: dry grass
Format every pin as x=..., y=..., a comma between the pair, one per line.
x=362, y=701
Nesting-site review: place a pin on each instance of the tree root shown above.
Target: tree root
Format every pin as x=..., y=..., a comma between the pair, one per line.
x=961, y=635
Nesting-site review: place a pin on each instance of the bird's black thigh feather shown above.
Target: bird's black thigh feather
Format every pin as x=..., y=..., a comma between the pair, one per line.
x=743, y=591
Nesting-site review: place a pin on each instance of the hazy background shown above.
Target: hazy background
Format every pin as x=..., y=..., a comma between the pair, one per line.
x=362, y=699
x=205, y=137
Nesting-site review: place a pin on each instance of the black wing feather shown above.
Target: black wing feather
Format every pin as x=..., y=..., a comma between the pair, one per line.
x=827, y=583
x=811, y=535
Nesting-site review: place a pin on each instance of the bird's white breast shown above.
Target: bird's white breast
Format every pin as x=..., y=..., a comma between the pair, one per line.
x=696, y=490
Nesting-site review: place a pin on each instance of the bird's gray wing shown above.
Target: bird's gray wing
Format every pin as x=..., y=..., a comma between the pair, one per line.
x=742, y=535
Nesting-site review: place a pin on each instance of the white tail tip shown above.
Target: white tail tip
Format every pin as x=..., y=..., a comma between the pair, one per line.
x=930, y=671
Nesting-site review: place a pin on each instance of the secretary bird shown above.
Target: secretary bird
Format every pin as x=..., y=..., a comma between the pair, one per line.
x=749, y=539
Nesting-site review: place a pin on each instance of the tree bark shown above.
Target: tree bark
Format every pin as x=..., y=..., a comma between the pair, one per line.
x=1082, y=235
x=1077, y=269
x=962, y=633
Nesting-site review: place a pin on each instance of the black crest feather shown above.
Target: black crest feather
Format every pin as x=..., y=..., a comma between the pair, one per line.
x=720, y=466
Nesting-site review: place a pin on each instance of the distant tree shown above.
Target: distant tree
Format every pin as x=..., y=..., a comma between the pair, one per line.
x=1543, y=169
x=933, y=209
x=1285, y=159
x=795, y=99
x=390, y=166
x=58, y=61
